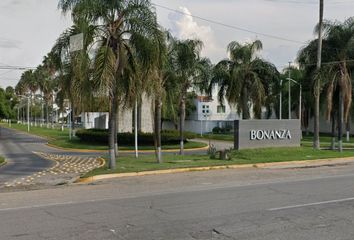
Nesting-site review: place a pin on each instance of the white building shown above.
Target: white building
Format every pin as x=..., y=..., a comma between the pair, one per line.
x=100, y=120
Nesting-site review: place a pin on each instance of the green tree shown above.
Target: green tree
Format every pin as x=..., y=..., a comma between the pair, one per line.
x=335, y=77
x=191, y=71
x=118, y=21
x=245, y=79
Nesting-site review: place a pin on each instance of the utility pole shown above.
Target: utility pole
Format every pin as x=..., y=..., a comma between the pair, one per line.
x=316, y=134
x=281, y=100
x=289, y=90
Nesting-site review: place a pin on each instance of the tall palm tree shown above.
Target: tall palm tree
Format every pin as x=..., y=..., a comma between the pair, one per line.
x=338, y=48
x=118, y=21
x=245, y=79
x=191, y=70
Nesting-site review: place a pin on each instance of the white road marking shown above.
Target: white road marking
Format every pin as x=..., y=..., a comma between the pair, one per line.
x=312, y=204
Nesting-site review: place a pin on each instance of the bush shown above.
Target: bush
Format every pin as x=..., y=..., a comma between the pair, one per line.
x=216, y=130
x=168, y=137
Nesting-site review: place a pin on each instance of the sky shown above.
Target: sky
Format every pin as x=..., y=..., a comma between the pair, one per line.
x=29, y=28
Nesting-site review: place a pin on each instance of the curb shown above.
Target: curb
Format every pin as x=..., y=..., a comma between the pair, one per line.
x=318, y=162
x=125, y=151
x=28, y=133
x=103, y=151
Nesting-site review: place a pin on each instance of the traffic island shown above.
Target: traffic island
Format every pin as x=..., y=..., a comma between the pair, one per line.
x=130, y=166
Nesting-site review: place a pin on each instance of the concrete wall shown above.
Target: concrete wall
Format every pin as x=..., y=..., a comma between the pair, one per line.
x=146, y=115
x=267, y=133
x=198, y=126
x=125, y=120
x=88, y=120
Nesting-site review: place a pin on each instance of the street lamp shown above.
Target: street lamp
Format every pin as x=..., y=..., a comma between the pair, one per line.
x=281, y=99
x=300, y=98
x=289, y=78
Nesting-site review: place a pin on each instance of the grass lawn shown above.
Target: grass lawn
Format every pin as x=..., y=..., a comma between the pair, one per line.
x=60, y=138
x=146, y=163
x=2, y=160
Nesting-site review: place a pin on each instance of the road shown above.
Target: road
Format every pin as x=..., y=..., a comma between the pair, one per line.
x=286, y=203
x=22, y=164
x=18, y=149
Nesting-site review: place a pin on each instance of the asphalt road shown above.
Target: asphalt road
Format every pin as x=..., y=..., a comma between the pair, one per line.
x=18, y=150
x=290, y=203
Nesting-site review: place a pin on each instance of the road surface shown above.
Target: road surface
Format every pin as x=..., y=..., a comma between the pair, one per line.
x=23, y=165
x=288, y=203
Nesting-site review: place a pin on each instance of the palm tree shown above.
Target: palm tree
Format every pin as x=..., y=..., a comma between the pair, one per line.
x=191, y=70
x=245, y=79
x=117, y=21
x=338, y=47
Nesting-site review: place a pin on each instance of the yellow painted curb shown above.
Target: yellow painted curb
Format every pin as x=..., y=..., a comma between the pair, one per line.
x=208, y=168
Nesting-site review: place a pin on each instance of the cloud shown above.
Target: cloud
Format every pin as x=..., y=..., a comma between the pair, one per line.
x=184, y=26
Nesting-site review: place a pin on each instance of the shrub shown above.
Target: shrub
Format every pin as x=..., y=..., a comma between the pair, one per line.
x=216, y=130
x=168, y=137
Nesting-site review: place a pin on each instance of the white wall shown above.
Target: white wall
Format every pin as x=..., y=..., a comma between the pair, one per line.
x=197, y=126
x=88, y=119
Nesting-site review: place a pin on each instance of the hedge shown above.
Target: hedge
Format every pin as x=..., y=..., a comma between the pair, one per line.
x=168, y=137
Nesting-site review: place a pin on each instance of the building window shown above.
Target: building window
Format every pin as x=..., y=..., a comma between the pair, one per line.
x=221, y=109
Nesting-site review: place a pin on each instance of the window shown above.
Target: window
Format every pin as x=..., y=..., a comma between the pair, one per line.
x=221, y=109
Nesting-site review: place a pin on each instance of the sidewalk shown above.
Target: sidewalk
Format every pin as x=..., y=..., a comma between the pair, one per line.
x=219, y=144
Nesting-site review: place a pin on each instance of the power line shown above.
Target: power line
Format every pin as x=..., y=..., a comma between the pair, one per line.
x=230, y=26
x=309, y=2
x=21, y=68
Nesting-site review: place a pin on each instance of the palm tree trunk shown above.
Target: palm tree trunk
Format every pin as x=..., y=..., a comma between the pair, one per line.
x=181, y=123
x=72, y=119
x=136, y=129
x=116, y=129
x=245, y=108
x=158, y=110
x=333, y=120
x=316, y=135
x=47, y=114
x=112, y=130
x=340, y=122
x=348, y=128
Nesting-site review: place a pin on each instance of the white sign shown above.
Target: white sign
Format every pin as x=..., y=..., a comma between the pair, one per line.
x=270, y=134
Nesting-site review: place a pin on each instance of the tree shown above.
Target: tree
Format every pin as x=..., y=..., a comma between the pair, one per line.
x=117, y=21
x=245, y=79
x=338, y=48
x=191, y=70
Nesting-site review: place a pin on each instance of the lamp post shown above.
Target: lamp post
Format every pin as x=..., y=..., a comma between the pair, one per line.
x=281, y=100
x=300, y=99
x=289, y=78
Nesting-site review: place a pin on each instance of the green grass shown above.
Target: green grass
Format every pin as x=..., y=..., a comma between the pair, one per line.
x=61, y=139
x=2, y=160
x=127, y=164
